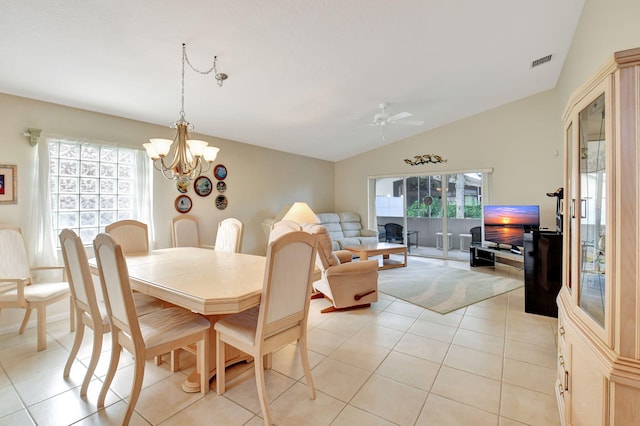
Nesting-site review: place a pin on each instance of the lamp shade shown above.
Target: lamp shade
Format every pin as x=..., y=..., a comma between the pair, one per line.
x=161, y=146
x=196, y=147
x=301, y=214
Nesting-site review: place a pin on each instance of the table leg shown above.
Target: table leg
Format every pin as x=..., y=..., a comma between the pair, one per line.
x=232, y=356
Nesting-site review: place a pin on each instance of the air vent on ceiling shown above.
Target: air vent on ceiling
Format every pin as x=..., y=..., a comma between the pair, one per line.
x=541, y=61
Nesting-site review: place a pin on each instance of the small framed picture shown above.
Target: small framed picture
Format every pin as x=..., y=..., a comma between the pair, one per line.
x=221, y=186
x=202, y=185
x=220, y=172
x=183, y=204
x=8, y=184
x=221, y=202
x=183, y=184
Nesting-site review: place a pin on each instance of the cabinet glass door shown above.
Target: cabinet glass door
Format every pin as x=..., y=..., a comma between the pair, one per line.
x=590, y=209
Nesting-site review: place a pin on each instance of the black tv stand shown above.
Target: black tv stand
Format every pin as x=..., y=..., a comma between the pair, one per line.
x=489, y=255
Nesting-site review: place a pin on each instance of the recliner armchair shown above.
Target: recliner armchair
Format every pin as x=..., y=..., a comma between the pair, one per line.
x=346, y=284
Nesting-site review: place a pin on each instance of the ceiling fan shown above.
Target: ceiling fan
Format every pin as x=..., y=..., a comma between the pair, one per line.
x=383, y=118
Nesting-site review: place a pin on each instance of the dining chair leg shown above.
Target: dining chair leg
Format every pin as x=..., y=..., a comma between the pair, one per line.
x=262, y=389
x=74, y=350
x=111, y=372
x=25, y=320
x=41, y=313
x=93, y=362
x=220, y=361
x=138, y=375
x=72, y=315
x=304, y=357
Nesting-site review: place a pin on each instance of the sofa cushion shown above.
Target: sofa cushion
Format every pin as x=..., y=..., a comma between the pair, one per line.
x=349, y=242
x=350, y=223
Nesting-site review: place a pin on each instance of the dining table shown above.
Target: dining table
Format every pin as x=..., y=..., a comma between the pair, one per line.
x=209, y=282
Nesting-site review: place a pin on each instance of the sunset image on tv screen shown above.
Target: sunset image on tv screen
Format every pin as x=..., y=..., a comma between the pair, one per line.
x=506, y=224
x=511, y=215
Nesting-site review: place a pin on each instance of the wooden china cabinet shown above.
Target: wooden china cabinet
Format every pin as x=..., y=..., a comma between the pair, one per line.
x=598, y=379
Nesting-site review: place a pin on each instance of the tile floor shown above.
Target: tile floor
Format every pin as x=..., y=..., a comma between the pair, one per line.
x=393, y=364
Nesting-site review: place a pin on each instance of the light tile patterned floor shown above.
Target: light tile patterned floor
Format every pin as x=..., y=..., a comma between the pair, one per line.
x=393, y=364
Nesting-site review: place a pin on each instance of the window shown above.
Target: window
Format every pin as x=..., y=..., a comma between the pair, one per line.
x=92, y=185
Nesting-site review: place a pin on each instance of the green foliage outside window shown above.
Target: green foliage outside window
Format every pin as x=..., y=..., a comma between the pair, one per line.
x=419, y=209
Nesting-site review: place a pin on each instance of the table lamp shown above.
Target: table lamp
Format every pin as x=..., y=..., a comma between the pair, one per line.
x=301, y=214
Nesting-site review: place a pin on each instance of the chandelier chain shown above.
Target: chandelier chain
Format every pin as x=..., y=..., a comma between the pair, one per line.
x=220, y=77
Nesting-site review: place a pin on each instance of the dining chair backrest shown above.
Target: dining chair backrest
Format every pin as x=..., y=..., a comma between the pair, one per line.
x=229, y=236
x=184, y=231
x=79, y=275
x=131, y=235
x=14, y=261
x=116, y=289
x=282, y=227
x=286, y=292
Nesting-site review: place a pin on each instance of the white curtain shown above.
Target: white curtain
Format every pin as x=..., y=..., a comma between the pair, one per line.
x=144, y=193
x=39, y=234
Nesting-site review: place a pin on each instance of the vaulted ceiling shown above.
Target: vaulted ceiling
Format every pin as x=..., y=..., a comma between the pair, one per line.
x=305, y=76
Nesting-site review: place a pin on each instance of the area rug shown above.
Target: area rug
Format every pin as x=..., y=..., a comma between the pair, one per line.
x=442, y=289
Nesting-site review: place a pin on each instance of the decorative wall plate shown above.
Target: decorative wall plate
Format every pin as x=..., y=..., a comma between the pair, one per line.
x=221, y=186
x=220, y=172
x=221, y=202
x=202, y=185
x=183, y=184
x=183, y=204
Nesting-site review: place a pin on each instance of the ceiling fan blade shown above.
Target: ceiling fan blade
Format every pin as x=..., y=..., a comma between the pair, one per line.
x=399, y=116
x=410, y=122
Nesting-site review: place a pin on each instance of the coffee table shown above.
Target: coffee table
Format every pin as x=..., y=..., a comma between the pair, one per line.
x=364, y=251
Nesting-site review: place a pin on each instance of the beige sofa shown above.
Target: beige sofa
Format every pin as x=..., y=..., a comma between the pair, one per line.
x=346, y=229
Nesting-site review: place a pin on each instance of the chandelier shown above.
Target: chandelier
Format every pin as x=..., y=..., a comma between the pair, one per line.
x=183, y=157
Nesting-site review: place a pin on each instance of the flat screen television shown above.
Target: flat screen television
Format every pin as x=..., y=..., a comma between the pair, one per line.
x=506, y=225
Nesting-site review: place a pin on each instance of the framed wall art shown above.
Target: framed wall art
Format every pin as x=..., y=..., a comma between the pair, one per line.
x=183, y=204
x=8, y=184
x=221, y=202
x=220, y=172
x=202, y=185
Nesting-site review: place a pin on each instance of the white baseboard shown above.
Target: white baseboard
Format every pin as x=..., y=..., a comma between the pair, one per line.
x=14, y=327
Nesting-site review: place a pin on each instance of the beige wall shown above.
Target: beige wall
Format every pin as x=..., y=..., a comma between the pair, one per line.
x=605, y=27
x=519, y=141
x=260, y=181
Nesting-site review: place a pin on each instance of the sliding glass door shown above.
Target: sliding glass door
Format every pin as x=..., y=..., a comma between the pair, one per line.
x=436, y=211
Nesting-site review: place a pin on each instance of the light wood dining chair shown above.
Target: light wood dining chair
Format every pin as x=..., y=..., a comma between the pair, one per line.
x=18, y=289
x=281, y=316
x=147, y=336
x=229, y=235
x=184, y=231
x=278, y=229
x=131, y=235
x=89, y=311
